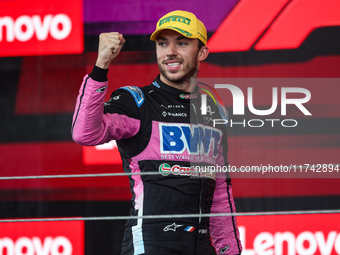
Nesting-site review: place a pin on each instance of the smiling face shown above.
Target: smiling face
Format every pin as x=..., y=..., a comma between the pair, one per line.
x=178, y=58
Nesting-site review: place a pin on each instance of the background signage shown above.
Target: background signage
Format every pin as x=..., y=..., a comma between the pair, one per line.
x=40, y=27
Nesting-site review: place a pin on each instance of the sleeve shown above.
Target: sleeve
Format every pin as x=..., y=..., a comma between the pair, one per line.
x=223, y=230
x=95, y=122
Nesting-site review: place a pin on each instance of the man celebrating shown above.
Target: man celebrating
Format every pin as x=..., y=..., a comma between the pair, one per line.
x=159, y=128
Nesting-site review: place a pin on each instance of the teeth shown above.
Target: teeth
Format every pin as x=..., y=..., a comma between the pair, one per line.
x=174, y=64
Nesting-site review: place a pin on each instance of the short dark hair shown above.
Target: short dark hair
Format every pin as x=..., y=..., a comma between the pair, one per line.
x=200, y=44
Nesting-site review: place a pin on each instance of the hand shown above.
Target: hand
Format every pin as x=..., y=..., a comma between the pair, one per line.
x=109, y=47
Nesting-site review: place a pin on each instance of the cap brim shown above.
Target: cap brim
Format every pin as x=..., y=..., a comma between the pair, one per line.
x=154, y=35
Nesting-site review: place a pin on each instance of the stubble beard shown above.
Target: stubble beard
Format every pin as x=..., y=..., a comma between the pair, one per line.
x=185, y=79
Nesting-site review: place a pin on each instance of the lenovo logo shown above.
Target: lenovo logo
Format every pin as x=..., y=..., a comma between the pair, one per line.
x=34, y=29
x=25, y=27
x=290, y=234
x=42, y=238
x=24, y=245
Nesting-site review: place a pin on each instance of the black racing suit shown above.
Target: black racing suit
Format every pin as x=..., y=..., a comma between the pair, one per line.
x=160, y=129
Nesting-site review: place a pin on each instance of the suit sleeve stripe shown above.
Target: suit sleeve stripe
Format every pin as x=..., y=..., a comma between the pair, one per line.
x=233, y=218
x=78, y=107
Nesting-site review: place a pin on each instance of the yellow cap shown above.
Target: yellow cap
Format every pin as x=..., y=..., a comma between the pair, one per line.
x=182, y=22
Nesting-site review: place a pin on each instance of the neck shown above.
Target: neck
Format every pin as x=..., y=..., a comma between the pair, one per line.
x=184, y=86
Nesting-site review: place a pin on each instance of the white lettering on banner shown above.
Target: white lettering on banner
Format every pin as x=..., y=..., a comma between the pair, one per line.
x=24, y=27
x=40, y=247
x=42, y=27
x=26, y=246
x=307, y=243
x=257, y=123
x=238, y=100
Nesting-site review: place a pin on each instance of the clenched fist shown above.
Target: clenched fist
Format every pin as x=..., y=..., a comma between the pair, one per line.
x=109, y=47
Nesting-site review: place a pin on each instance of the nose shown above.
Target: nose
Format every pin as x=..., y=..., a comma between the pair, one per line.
x=171, y=51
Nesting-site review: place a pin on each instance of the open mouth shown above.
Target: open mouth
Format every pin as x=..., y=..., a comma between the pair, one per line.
x=173, y=66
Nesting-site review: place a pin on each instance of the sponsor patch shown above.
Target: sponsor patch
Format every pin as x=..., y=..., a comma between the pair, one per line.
x=193, y=139
x=172, y=227
x=136, y=93
x=101, y=90
x=189, y=229
x=188, y=96
x=165, y=169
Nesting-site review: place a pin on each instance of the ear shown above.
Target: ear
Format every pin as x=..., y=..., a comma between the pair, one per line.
x=203, y=53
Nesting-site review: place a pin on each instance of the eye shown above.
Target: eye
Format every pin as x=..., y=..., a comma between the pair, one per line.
x=161, y=44
x=182, y=43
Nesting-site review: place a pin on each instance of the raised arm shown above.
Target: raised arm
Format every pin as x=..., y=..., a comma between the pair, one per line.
x=91, y=126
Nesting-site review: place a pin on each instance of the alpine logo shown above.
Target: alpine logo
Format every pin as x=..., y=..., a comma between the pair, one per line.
x=198, y=139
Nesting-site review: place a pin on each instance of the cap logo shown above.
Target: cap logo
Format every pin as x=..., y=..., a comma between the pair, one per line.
x=202, y=36
x=181, y=30
x=183, y=22
x=175, y=18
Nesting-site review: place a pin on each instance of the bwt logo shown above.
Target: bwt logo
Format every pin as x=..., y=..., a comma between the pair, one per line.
x=25, y=27
x=239, y=105
x=193, y=139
